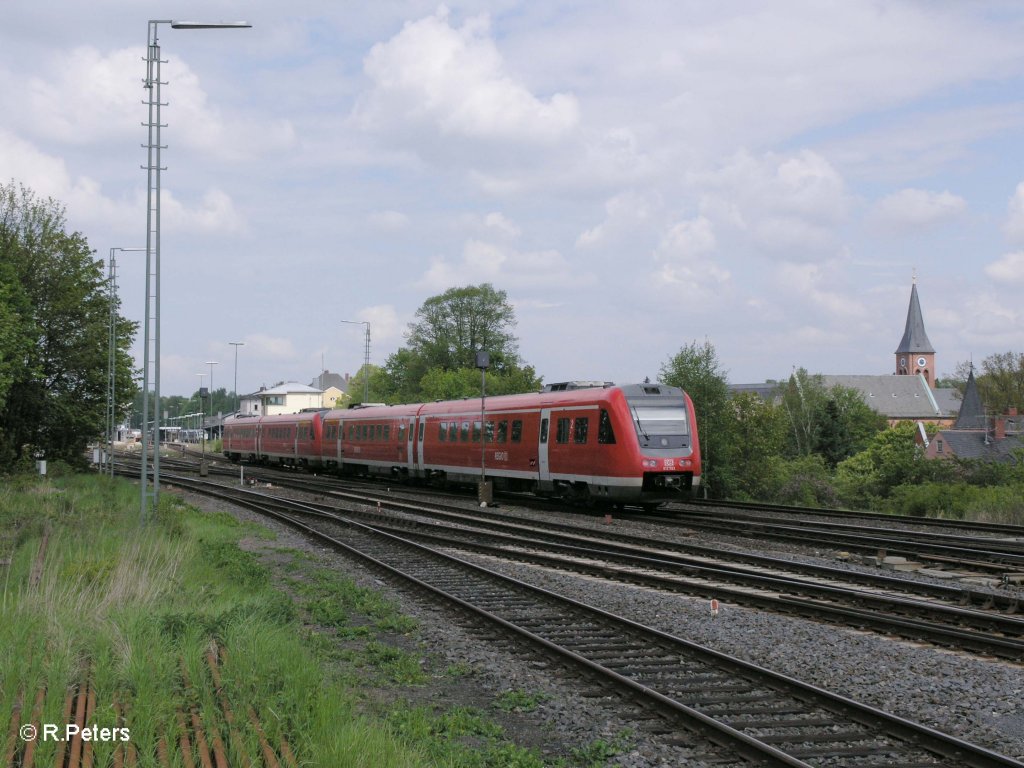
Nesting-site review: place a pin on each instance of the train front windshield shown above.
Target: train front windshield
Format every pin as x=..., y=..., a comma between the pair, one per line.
x=660, y=426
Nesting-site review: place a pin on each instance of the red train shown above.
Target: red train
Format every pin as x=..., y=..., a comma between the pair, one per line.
x=622, y=444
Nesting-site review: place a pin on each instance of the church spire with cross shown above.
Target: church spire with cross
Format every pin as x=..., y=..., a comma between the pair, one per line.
x=915, y=354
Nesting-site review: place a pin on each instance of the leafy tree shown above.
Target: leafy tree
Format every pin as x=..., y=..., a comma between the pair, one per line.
x=696, y=369
x=439, y=384
x=892, y=458
x=1000, y=380
x=450, y=328
x=803, y=401
x=757, y=434
x=54, y=334
x=440, y=356
x=376, y=391
x=833, y=422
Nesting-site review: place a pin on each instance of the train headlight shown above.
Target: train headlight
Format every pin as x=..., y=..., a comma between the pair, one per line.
x=649, y=463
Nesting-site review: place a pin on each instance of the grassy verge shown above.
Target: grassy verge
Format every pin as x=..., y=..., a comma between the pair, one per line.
x=135, y=613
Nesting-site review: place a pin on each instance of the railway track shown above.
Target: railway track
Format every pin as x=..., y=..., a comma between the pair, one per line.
x=1000, y=555
x=659, y=566
x=760, y=715
x=786, y=510
x=910, y=609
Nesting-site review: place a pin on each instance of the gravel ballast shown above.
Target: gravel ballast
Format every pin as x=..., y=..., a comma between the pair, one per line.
x=978, y=700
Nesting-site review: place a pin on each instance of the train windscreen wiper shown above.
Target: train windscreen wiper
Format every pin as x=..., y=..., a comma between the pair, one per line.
x=639, y=425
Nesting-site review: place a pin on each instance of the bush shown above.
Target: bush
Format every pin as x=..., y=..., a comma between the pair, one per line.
x=805, y=481
x=948, y=500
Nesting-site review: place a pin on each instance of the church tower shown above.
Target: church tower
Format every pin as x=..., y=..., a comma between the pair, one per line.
x=915, y=353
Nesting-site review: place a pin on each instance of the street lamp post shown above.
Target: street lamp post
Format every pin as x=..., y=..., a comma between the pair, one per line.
x=366, y=357
x=211, y=363
x=150, y=491
x=236, y=345
x=483, y=362
x=112, y=356
x=202, y=425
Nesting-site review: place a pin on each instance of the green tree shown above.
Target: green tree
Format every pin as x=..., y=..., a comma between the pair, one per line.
x=833, y=422
x=1001, y=384
x=891, y=458
x=695, y=368
x=439, y=384
x=440, y=356
x=803, y=401
x=376, y=389
x=54, y=333
x=757, y=434
x=1000, y=380
x=450, y=328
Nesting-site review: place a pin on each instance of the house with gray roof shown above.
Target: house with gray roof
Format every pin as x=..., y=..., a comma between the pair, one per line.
x=900, y=398
x=897, y=398
x=286, y=397
x=977, y=435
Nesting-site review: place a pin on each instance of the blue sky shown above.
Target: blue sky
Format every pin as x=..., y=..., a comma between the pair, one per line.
x=636, y=176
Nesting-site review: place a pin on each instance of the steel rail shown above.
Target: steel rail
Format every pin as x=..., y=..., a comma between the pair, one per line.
x=912, y=735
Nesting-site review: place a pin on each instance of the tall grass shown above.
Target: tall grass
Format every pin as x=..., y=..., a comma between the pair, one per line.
x=128, y=608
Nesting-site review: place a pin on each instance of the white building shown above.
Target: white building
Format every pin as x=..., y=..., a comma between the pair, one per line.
x=289, y=397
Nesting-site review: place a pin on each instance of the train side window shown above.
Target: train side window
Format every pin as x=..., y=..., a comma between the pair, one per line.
x=378, y=432
x=351, y=431
x=580, y=429
x=476, y=431
x=489, y=432
x=464, y=432
x=401, y=432
x=422, y=425
x=605, y=433
x=517, y=430
x=543, y=431
x=453, y=432
x=442, y=431
x=562, y=430
x=387, y=432
x=503, y=431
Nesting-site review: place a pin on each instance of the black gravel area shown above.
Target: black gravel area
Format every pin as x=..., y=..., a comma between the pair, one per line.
x=976, y=699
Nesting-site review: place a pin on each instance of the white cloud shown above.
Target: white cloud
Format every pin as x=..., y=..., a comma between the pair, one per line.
x=784, y=203
x=623, y=212
x=917, y=209
x=684, y=255
x=48, y=176
x=499, y=224
x=483, y=261
x=1008, y=269
x=1014, y=227
x=804, y=283
x=456, y=82
x=214, y=213
x=390, y=221
x=85, y=96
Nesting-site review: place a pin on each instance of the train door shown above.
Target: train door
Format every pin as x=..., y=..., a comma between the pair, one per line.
x=543, y=470
x=421, y=429
x=410, y=446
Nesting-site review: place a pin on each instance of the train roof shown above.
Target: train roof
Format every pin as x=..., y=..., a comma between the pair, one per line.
x=582, y=393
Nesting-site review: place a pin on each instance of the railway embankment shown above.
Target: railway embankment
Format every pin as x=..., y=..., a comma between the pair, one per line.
x=198, y=639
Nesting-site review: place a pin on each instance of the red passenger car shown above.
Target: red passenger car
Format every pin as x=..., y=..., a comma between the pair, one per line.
x=286, y=439
x=621, y=444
